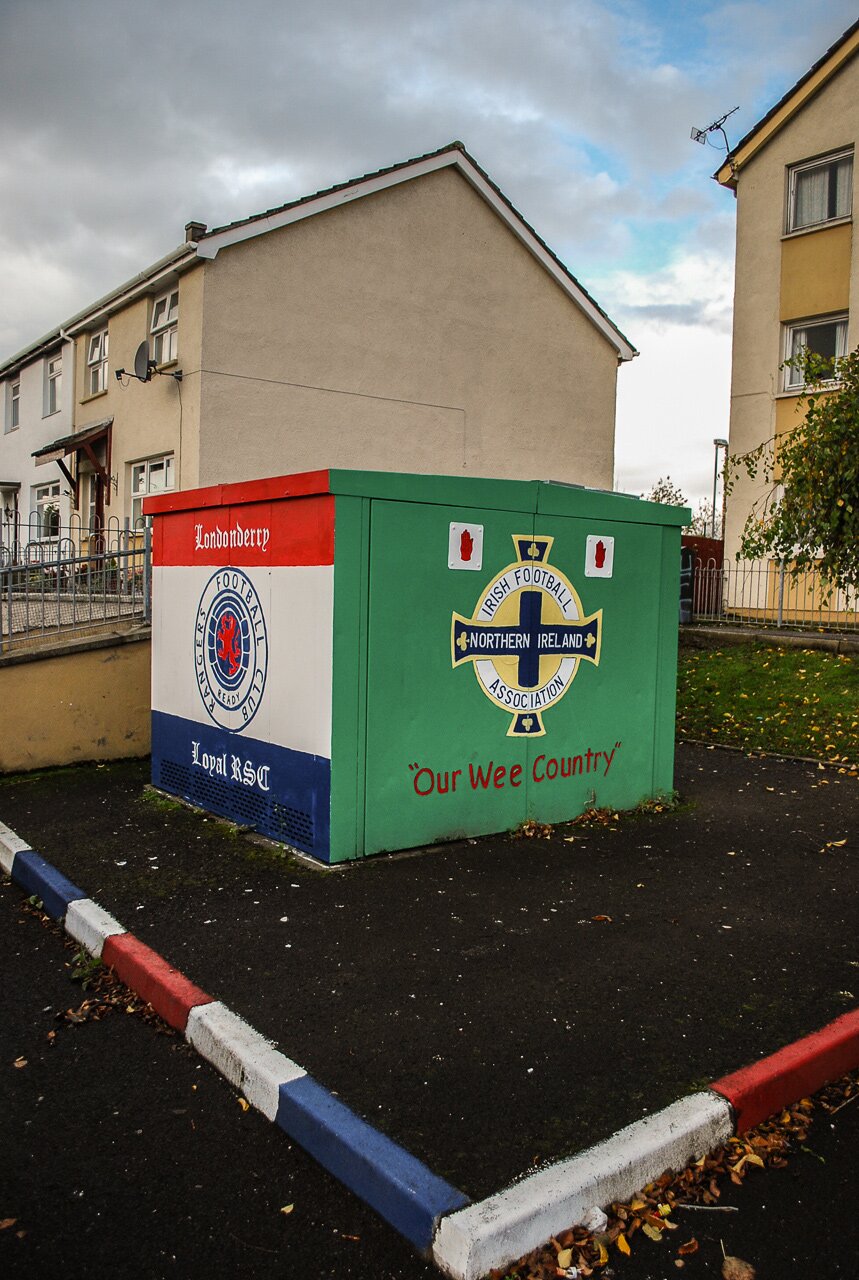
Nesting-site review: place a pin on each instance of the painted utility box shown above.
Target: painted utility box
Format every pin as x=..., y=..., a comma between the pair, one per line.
x=352, y=661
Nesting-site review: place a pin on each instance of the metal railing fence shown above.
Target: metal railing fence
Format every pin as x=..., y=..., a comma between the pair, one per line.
x=767, y=594
x=71, y=579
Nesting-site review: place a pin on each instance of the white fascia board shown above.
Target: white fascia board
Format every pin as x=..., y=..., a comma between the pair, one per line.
x=212, y=244
x=525, y=235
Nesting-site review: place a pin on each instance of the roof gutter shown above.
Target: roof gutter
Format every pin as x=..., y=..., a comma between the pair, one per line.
x=172, y=262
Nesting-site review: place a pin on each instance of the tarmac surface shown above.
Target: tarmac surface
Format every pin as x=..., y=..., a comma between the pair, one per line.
x=126, y=1154
x=496, y=1003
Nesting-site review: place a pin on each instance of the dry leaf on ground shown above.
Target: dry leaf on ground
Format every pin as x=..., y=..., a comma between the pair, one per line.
x=736, y=1269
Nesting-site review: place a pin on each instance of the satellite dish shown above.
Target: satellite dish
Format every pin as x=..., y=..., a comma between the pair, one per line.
x=141, y=362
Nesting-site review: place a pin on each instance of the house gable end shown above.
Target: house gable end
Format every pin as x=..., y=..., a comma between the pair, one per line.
x=457, y=158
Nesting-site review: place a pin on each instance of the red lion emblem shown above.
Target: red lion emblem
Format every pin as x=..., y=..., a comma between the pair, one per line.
x=228, y=642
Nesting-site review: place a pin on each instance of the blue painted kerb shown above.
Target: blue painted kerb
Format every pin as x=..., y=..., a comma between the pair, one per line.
x=33, y=873
x=404, y=1191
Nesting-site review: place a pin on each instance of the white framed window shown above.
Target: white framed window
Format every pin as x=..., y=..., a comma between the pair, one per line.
x=165, y=327
x=155, y=475
x=53, y=383
x=46, y=505
x=826, y=338
x=89, y=506
x=13, y=409
x=820, y=191
x=96, y=362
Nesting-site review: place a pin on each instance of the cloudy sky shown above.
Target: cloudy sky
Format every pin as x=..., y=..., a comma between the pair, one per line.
x=120, y=122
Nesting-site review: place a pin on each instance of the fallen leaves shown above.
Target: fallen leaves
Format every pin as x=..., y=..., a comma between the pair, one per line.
x=6, y=1223
x=531, y=830
x=107, y=995
x=287, y=1208
x=736, y=1269
x=583, y=1253
x=806, y=712
x=19, y=1063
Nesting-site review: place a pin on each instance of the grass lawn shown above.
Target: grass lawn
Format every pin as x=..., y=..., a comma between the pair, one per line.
x=802, y=702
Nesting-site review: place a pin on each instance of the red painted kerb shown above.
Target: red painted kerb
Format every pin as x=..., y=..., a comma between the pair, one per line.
x=799, y=1069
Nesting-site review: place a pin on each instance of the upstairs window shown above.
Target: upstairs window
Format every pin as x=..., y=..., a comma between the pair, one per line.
x=827, y=338
x=820, y=191
x=53, y=384
x=155, y=475
x=13, y=418
x=96, y=363
x=165, y=328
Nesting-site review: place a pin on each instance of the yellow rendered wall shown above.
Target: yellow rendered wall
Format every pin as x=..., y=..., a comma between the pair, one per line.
x=815, y=272
x=783, y=277
x=149, y=418
x=409, y=331
x=92, y=704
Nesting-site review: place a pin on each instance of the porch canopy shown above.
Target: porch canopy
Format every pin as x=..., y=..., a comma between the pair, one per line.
x=81, y=442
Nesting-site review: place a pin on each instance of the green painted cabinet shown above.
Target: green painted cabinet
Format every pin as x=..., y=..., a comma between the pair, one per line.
x=502, y=651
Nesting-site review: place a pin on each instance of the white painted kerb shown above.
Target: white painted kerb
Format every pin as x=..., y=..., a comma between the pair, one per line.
x=91, y=926
x=10, y=844
x=241, y=1055
x=474, y=1240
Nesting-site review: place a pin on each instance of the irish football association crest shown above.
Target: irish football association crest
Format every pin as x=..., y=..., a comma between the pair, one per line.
x=527, y=637
x=230, y=649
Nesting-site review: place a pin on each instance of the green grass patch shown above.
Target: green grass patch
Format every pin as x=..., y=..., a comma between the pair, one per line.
x=800, y=702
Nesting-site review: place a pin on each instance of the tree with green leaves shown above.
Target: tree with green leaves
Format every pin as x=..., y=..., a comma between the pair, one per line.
x=809, y=515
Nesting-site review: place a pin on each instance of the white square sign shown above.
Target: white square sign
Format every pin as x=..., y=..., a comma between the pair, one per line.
x=465, y=546
x=599, y=556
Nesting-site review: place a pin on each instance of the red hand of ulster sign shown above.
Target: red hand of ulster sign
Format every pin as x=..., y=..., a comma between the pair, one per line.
x=466, y=545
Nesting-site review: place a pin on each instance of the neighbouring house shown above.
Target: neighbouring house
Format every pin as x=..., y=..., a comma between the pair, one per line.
x=797, y=262
x=36, y=403
x=409, y=320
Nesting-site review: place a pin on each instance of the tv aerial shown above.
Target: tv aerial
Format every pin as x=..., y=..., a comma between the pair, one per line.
x=145, y=366
x=718, y=126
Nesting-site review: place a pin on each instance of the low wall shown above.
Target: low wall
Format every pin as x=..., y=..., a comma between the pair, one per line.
x=88, y=700
x=701, y=636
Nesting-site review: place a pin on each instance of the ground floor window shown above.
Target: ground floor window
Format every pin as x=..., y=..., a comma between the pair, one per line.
x=46, y=508
x=155, y=475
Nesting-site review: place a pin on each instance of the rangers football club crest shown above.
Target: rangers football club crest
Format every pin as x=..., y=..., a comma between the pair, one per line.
x=230, y=649
x=527, y=637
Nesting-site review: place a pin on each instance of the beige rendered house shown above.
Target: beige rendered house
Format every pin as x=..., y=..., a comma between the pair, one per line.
x=410, y=320
x=797, y=268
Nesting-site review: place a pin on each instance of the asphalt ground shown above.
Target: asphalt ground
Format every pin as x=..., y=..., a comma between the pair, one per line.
x=125, y=1154
x=500, y=1002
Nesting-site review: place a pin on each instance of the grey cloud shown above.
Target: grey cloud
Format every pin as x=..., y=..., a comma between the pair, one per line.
x=118, y=122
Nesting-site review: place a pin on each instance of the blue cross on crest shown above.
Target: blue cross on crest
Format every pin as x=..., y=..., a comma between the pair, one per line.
x=525, y=637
